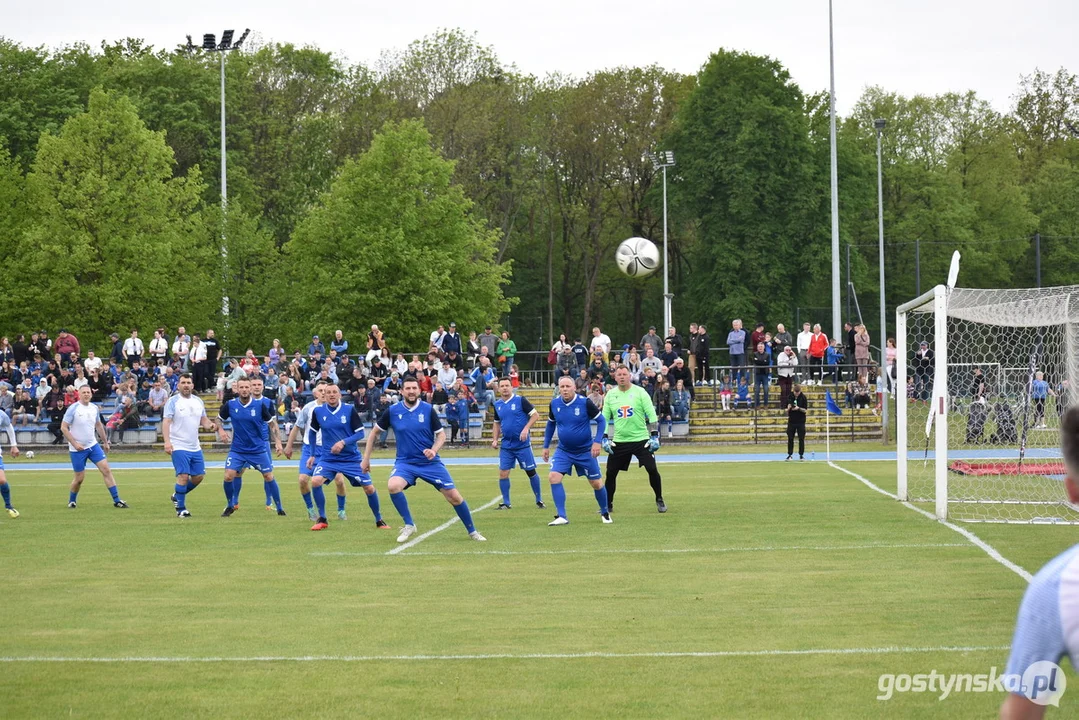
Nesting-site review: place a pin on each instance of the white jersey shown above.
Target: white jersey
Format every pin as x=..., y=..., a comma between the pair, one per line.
x=1048, y=624
x=303, y=422
x=82, y=422
x=7, y=428
x=186, y=415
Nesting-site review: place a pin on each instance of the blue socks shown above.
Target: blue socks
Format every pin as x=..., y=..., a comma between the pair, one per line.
x=307, y=499
x=269, y=493
x=181, y=496
x=71, y=496
x=230, y=492
x=5, y=490
x=340, y=502
x=115, y=492
x=237, y=484
x=558, y=494
x=401, y=503
x=320, y=500
x=466, y=516
x=504, y=486
x=601, y=498
x=534, y=481
x=372, y=502
x=273, y=493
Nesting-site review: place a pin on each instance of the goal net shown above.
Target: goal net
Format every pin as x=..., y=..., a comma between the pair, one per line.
x=982, y=377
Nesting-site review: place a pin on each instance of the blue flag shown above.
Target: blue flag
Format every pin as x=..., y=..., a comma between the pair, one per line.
x=830, y=403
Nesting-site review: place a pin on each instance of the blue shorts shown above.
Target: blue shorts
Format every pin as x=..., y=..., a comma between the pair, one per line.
x=259, y=460
x=187, y=462
x=586, y=465
x=522, y=456
x=308, y=452
x=94, y=454
x=434, y=473
x=328, y=466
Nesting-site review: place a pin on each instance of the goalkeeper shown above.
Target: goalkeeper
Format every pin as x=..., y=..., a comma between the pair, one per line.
x=632, y=418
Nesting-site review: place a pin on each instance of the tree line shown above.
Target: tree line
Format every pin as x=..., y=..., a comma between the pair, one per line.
x=441, y=183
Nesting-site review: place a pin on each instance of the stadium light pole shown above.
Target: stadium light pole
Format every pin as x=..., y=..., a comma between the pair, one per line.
x=661, y=161
x=211, y=44
x=879, y=125
x=837, y=323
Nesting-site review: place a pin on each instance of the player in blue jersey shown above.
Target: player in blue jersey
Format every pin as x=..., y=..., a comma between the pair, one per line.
x=1048, y=624
x=310, y=451
x=248, y=449
x=572, y=415
x=514, y=418
x=257, y=387
x=183, y=415
x=81, y=427
x=5, y=491
x=419, y=437
x=341, y=428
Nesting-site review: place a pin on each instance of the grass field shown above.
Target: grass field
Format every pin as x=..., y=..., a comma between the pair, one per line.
x=796, y=585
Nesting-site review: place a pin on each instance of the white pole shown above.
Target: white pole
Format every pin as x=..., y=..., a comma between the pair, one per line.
x=883, y=316
x=837, y=324
x=828, y=435
x=940, y=398
x=666, y=260
x=901, y=446
x=224, y=210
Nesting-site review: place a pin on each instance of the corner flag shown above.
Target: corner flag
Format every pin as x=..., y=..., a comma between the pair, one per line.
x=830, y=403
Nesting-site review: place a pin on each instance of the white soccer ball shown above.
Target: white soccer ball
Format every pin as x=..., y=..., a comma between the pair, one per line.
x=29, y=454
x=637, y=257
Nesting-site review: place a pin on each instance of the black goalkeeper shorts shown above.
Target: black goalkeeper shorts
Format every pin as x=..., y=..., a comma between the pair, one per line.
x=624, y=453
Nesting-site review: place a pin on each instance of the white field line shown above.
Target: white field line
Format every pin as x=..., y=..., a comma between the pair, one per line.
x=974, y=539
x=892, y=650
x=420, y=538
x=662, y=551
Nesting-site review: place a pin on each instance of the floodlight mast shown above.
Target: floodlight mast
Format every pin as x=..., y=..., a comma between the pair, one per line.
x=661, y=161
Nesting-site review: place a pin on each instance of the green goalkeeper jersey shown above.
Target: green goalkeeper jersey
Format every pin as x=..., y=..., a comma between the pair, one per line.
x=630, y=412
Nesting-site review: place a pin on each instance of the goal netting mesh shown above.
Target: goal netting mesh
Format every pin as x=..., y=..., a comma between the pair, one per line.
x=982, y=379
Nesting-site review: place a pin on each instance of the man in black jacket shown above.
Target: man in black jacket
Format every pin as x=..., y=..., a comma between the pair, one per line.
x=213, y=352
x=704, y=342
x=679, y=371
x=797, y=407
x=693, y=344
x=675, y=340
x=762, y=369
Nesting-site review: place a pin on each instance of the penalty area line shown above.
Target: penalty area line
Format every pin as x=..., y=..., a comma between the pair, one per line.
x=974, y=539
x=420, y=538
x=889, y=650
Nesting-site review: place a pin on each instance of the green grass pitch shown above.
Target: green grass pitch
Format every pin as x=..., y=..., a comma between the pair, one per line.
x=752, y=562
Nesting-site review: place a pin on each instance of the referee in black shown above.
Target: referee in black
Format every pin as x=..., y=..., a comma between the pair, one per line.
x=797, y=405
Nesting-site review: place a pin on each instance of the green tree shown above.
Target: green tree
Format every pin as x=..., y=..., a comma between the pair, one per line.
x=395, y=242
x=115, y=239
x=745, y=167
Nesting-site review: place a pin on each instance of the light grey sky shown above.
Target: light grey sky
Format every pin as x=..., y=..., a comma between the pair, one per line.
x=912, y=46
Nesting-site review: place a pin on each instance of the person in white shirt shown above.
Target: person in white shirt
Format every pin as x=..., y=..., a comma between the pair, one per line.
x=81, y=428
x=1047, y=628
x=196, y=363
x=600, y=342
x=804, y=339
x=159, y=348
x=133, y=349
x=437, y=336
x=184, y=414
x=447, y=375
x=180, y=348
x=92, y=362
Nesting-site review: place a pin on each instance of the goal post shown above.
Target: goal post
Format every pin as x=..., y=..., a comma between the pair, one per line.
x=983, y=376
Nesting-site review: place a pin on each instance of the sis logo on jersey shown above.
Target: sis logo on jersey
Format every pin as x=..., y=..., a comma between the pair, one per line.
x=625, y=411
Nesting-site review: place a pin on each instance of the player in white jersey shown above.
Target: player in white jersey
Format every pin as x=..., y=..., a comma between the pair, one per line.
x=184, y=414
x=311, y=450
x=1048, y=624
x=81, y=428
x=5, y=491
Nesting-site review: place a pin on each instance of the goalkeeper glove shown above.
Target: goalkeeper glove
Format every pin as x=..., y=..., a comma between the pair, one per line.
x=653, y=444
x=607, y=446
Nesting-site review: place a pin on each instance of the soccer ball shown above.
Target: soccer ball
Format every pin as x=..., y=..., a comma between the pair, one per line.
x=29, y=454
x=637, y=257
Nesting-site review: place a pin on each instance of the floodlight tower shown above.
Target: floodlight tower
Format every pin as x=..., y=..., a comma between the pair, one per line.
x=661, y=161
